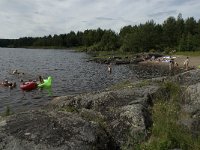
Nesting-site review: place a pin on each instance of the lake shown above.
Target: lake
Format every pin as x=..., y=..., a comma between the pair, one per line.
x=71, y=74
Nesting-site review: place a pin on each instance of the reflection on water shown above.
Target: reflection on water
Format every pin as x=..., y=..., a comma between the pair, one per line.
x=70, y=71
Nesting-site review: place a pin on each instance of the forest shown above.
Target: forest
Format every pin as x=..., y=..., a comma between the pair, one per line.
x=173, y=34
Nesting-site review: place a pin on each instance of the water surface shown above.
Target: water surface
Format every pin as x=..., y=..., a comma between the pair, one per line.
x=70, y=71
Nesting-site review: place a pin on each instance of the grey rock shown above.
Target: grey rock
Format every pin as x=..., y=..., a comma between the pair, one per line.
x=52, y=130
x=191, y=107
x=188, y=78
x=123, y=111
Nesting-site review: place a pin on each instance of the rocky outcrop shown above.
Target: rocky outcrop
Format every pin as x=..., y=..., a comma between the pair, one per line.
x=125, y=112
x=190, y=81
x=125, y=60
x=191, y=108
x=188, y=78
x=51, y=130
x=104, y=120
x=112, y=119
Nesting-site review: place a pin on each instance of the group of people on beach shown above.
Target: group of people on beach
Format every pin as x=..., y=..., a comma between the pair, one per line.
x=173, y=63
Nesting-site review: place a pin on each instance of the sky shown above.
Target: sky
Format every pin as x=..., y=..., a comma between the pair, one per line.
x=37, y=18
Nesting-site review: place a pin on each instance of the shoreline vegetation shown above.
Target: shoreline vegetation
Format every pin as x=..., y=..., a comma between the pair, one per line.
x=173, y=34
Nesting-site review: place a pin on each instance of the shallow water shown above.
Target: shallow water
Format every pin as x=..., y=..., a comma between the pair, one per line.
x=70, y=71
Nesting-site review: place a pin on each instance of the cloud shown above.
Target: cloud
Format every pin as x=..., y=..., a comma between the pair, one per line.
x=165, y=13
x=104, y=18
x=43, y=17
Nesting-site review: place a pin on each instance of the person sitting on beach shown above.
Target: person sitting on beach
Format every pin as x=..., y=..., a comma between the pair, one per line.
x=186, y=63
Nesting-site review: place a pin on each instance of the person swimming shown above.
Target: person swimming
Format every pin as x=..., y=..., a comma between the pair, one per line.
x=41, y=80
x=5, y=83
x=11, y=85
x=15, y=72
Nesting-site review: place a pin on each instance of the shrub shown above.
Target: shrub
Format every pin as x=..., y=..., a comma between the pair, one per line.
x=166, y=133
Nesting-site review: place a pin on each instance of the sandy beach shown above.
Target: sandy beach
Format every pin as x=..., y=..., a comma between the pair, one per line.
x=194, y=61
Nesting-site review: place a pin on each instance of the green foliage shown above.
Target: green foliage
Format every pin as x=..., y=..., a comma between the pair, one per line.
x=93, y=116
x=189, y=53
x=167, y=50
x=69, y=109
x=142, y=83
x=133, y=141
x=166, y=133
x=173, y=92
x=121, y=85
x=174, y=33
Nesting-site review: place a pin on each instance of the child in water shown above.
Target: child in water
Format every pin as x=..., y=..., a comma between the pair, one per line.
x=109, y=68
x=41, y=80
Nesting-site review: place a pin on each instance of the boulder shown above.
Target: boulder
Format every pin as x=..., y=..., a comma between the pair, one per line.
x=125, y=112
x=191, y=108
x=51, y=131
x=188, y=78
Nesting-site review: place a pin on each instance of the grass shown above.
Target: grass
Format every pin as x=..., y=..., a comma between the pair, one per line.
x=166, y=133
x=95, y=117
x=142, y=83
x=121, y=85
x=69, y=109
x=129, y=84
x=189, y=53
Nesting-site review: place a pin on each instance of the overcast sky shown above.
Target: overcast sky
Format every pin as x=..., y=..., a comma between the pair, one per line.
x=20, y=18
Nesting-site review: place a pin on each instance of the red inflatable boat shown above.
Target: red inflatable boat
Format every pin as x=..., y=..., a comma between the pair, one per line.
x=27, y=86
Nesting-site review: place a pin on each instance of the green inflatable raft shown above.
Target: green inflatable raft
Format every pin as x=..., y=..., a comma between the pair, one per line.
x=46, y=85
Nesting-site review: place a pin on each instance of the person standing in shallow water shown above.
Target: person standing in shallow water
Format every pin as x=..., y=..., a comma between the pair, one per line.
x=109, y=68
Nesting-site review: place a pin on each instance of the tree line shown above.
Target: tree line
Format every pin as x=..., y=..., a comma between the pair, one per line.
x=173, y=34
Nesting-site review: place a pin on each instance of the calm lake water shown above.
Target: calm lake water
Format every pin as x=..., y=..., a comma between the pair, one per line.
x=70, y=71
